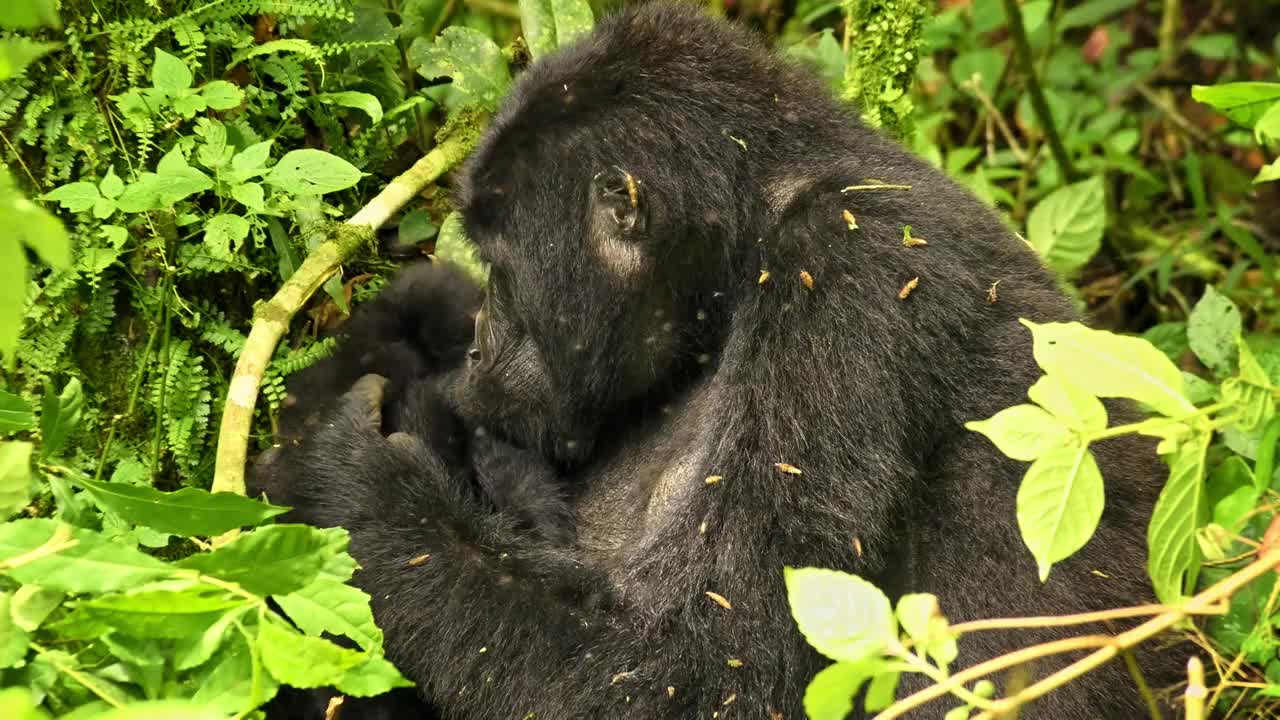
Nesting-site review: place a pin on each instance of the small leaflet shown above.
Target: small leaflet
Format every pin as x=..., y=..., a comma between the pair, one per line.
x=671, y=691
x=993, y=293
x=420, y=560
x=729, y=700
x=909, y=240
x=806, y=279
x=713, y=479
x=720, y=600
x=850, y=220
x=906, y=289
x=787, y=469
x=734, y=663
x=764, y=277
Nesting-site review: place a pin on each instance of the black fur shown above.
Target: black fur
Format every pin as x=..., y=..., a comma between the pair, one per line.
x=629, y=194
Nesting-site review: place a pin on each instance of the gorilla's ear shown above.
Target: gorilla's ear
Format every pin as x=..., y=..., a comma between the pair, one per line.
x=618, y=197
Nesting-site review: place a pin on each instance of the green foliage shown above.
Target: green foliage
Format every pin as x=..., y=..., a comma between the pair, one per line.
x=881, y=63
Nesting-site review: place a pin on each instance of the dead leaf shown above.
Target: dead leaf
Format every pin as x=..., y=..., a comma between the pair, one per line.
x=720, y=600
x=906, y=289
x=806, y=279
x=788, y=469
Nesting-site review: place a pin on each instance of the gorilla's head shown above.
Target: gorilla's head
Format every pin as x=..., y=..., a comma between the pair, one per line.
x=612, y=217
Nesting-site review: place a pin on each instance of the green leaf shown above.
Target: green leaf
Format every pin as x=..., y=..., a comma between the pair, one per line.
x=15, y=413
x=288, y=259
x=1253, y=405
x=1092, y=12
x=32, y=604
x=453, y=246
x=1267, y=128
x=169, y=73
x=1059, y=504
x=1268, y=173
x=221, y=95
x=13, y=639
x=16, y=703
x=329, y=606
x=15, y=476
x=193, y=650
x=416, y=227
x=252, y=158
x=272, y=560
x=551, y=24
x=1244, y=102
x=224, y=234
x=1023, y=432
x=161, y=612
x=349, y=98
x=302, y=661
x=187, y=512
x=174, y=181
x=987, y=63
x=1110, y=365
x=93, y=564
x=1075, y=408
x=13, y=293
x=34, y=227
x=103, y=208
x=59, y=417
x=111, y=185
x=1066, y=226
x=312, y=172
x=230, y=684
x=1232, y=491
x=881, y=691
x=374, y=676
x=1212, y=330
x=830, y=693
x=1171, y=536
x=214, y=153
x=251, y=195
x=162, y=710
x=470, y=59
x=30, y=15
x=76, y=197
x=842, y=616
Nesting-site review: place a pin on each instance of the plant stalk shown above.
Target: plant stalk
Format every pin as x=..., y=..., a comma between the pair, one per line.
x=1022, y=48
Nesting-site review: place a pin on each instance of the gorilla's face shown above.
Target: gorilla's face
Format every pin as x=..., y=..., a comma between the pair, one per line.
x=590, y=302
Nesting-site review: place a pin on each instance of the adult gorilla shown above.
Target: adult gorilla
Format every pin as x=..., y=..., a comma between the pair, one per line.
x=682, y=288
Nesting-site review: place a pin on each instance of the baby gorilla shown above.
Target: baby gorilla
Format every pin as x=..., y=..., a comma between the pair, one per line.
x=697, y=270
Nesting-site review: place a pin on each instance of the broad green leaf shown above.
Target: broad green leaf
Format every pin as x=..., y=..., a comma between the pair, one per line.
x=144, y=651
x=1110, y=365
x=162, y=612
x=250, y=194
x=1023, y=432
x=470, y=59
x=333, y=607
x=364, y=102
x=103, y=208
x=1075, y=408
x=13, y=639
x=221, y=95
x=59, y=416
x=169, y=73
x=1171, y=535
x=416, y=227
x=842, y=616
x=32, y=604
x=76, y=197
x=1232, y=491
x=1244, y=102
x=1092, y=12
x=253, y=158
x=551, y=24
x=1066, y=226
x=1252, y=406
x=986, y=63
x=453, y=246
x=193, y=650
x=301, y=661
x=189, y=103
x=15, y=413
x=92, y=565
x=1268, y=173
x=375, y=675
x=829, y=695
x=312, y=172
x=881, y=690
x=1212, y=330
x=154, y=191
x=288, y=259
x=16, y=703
x=1059, y=504
x=1268, y=127
x=272, y=560
x=224, y=234
x=15, y=476
x=214, y=152
x=13, y=293
x=111, y=185
x=186, y=512
x=33, y=226
x=230, y=683
x=923, y=621
x=30, y=15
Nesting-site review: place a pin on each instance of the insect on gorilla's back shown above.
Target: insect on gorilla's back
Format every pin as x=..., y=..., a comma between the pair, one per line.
x=677, y=292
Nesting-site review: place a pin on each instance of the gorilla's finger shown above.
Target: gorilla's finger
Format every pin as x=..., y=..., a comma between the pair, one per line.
x=365, y=399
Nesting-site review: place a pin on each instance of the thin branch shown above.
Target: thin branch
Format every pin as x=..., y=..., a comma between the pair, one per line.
x=1196, y=690
x=1210, y=597
x=271, y=320
x=1021, y=623
x=1023, y=50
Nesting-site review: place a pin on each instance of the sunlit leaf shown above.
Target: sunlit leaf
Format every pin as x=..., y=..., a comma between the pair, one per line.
x=186, y=512
x=551, y=24
x=1066, y=226
x=1171, y=542
x=1059, y=505
x=1023, y=432
x=92, y=565
x=842, y=616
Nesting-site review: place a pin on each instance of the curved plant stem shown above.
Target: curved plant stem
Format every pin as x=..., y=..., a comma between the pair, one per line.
x=1156, y=625
x=1022, y=623
x=271, y=320
x=1023, y=50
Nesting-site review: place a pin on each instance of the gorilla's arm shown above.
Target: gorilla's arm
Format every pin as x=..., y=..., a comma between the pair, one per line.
x=499, y=622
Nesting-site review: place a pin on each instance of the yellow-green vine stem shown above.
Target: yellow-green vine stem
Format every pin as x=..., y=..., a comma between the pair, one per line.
x=271, y=320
